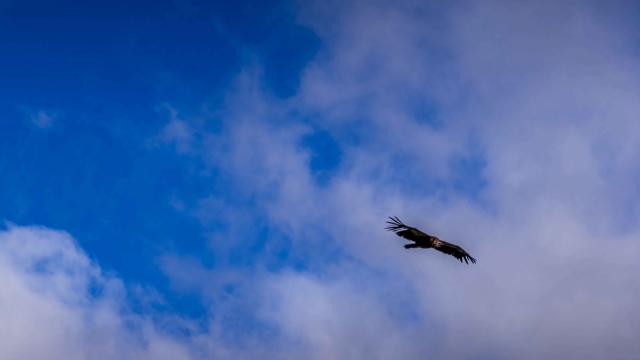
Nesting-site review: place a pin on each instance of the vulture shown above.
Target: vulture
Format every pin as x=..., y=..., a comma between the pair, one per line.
x=426, y=241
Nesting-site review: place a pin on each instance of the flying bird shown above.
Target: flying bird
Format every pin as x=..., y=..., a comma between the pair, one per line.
x=426, y=241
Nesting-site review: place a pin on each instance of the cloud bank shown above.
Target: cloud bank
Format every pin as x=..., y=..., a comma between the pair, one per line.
x=57, y=303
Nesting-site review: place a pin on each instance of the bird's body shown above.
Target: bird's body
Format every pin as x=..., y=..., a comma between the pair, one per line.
x=426, y=241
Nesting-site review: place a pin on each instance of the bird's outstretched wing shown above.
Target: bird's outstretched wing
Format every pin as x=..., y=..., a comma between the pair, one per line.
x=405, y=231
x=454, y=250
x=395, y=224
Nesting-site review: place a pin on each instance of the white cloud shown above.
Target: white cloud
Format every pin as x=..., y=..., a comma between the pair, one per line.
x=545, y=93
x=57, y=304
x=332, y=319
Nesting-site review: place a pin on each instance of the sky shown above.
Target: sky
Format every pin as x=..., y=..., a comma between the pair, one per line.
x=186, y=179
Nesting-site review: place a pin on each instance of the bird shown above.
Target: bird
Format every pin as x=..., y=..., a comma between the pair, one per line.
x=426, y=241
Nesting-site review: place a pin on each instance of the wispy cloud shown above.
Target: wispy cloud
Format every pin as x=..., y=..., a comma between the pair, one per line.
x=41, y=118
x=176, y=132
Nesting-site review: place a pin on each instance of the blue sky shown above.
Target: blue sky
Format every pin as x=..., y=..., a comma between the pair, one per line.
x=192, y=179
x=105, y=73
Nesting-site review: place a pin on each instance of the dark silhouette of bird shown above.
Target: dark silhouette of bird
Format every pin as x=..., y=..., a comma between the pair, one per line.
x=426, y=241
